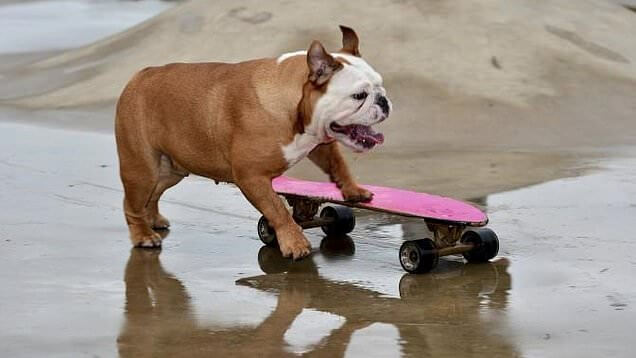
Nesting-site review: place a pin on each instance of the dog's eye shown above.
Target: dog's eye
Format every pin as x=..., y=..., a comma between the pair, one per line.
x=359, y=96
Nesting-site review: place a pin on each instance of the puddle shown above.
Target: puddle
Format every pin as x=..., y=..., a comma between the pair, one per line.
x=59, y=24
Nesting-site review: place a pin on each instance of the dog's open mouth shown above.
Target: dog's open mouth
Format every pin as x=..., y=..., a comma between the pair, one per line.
x=360, y=134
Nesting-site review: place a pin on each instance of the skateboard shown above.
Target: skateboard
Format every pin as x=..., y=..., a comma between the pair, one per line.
x=455, y=226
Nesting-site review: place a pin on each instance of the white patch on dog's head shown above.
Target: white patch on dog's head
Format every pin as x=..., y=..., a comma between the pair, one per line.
x=285, y=56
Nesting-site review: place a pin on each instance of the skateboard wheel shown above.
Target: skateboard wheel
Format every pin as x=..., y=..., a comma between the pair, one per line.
x=418, y=256
x=486, y=244
x=266, y=233
x=343, y=220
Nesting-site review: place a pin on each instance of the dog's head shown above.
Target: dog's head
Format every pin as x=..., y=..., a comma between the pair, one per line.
x=343, y=96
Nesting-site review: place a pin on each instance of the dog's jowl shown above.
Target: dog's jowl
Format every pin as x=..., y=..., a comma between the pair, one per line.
x=246, y=123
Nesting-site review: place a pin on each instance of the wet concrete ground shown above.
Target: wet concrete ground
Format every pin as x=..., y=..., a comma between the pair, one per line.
x=71, y=285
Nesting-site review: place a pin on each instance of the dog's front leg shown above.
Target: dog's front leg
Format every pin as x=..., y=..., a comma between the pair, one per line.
x=258, y=190
x=328, y=158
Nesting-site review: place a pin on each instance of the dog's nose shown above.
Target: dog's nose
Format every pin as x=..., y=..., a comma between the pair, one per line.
x=383, y=103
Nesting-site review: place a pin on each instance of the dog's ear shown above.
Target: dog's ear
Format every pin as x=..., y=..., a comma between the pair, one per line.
x=321, y=64
x=350, y=41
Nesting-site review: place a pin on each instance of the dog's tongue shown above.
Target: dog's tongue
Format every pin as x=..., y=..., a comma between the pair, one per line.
x=361, y=134
x=365, y=135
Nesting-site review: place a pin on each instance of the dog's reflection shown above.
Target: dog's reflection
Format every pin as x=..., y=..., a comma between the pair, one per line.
x=437, y=314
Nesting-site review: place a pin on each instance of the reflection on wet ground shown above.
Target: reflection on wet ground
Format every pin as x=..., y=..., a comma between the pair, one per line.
x=58, y=24
x=432, y=313
x=71, y=285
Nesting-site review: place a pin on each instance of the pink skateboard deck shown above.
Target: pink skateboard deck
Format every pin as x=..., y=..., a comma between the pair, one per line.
x=390, y=200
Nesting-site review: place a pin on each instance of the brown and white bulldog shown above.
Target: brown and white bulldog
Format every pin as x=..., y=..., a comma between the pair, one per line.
x=246, y=123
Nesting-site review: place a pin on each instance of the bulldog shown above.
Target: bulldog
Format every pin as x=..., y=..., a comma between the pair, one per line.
x=246, y=123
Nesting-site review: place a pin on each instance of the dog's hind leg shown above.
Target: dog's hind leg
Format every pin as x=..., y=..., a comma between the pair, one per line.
x=169, y=176
x=139, y=171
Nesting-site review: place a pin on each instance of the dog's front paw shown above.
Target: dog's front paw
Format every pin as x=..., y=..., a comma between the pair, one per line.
x=355, y=193
x=293, y=243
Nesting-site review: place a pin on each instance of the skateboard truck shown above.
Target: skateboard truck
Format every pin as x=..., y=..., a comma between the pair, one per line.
x=333, y=220
x=477, y=245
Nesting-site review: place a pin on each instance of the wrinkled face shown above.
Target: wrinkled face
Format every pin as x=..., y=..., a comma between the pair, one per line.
x=353, y=102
